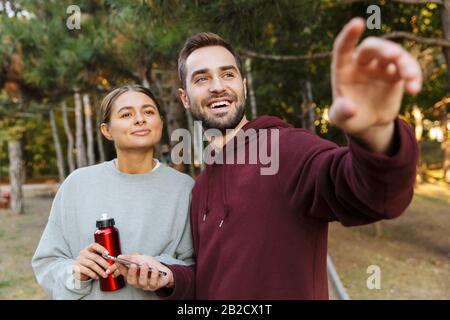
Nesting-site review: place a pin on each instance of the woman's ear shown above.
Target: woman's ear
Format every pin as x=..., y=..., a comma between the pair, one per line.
x=104, y=128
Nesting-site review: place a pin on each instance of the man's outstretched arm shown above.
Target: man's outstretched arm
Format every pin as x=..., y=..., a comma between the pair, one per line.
x=373, y=178
x=368, y=83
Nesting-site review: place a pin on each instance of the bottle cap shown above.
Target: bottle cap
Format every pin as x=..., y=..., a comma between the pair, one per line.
x=105, y=221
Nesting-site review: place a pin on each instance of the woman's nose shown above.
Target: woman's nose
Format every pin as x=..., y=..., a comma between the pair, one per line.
x=139, y=118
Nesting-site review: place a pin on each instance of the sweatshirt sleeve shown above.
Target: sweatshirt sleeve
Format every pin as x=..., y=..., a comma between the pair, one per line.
x=183, y=270
x=348, y=184
x=53, y=262
x=182, y=265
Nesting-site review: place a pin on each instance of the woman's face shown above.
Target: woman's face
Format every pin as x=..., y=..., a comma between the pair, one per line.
x=135, y=123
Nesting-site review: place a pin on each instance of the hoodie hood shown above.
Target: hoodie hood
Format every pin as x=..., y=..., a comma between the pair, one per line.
x=266, y=122
x=263, y=122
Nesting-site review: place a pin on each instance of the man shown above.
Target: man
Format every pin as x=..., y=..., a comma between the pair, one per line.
x=265, y=236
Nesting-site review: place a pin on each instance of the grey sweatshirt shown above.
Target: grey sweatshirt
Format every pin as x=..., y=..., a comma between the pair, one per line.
x=150, y=210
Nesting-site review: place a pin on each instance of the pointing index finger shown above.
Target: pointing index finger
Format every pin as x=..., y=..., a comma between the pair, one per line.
x=346, y=41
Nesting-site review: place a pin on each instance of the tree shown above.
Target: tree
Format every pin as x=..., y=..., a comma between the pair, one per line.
x=59, y=153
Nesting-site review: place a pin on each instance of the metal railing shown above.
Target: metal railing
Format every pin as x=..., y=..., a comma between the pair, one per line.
x=336, y=281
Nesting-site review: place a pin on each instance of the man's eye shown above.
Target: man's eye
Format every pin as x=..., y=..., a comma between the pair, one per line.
x=201, y=79
x=229, y=75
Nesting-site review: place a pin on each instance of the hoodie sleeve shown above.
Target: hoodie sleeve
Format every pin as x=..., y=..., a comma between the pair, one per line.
x=53, y=263
x=348, y=184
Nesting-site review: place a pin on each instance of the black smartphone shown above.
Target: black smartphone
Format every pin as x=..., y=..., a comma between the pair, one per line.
x=127, y=263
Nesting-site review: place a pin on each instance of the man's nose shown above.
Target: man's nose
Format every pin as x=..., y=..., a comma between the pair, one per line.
x=216, y=85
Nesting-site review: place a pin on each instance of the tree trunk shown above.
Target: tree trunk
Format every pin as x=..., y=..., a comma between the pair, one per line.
x=445, y=145
x=251, y=91
x=308, y=108
x=79, y=139
x=145, y=82
x=70, y=158
x=445, y=16
x=166, y=84
x=58, y=149
x=89, y=133
x=16, y=175
x=418, y=128
x=99, y=136
x=175, y=115
x=378, y=227
x=190, y=122
x=143, y=75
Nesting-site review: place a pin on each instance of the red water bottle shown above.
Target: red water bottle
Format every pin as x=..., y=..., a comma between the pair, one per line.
x=107, y=235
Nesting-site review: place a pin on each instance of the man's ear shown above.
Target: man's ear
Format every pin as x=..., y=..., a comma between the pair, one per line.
x=245, y=87
x=104, y=128
x=184, y=98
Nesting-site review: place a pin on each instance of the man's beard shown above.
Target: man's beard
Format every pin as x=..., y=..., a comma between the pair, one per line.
x=230, y=120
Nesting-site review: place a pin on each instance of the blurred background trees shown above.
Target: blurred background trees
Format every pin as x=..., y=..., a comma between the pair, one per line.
x=53, y=77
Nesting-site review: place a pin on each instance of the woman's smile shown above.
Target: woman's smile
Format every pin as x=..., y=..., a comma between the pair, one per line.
x=141, y=132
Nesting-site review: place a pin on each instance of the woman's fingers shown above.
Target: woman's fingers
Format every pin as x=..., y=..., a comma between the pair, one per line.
x=132, y=275
x=153, y=281
x=116, y=274
x=80, y=270
x=122, y=270
x=112, y=269
x=97, y=259
x=96, y=248
x=143, y=276
x=93, y=266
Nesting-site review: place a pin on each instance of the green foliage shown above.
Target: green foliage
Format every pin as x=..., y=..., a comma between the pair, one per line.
x=121, y=41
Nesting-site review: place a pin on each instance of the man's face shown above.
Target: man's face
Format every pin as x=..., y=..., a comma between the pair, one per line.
x=215, y=90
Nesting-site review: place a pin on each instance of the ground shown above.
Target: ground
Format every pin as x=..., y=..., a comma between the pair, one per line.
x=19, y=237
x=413, y=253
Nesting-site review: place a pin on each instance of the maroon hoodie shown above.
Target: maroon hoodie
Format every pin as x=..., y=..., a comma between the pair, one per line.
x=265, y=236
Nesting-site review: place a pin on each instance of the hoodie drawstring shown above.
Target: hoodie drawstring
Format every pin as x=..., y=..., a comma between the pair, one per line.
x=209, y=172
x=224, y=196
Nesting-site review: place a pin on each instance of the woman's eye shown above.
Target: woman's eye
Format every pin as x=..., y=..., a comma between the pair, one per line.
x=125, y=115
x=229, y=75
x=149, y=112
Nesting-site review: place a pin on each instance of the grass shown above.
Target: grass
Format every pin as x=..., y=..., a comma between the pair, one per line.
x=413, y=253
x=20, y=235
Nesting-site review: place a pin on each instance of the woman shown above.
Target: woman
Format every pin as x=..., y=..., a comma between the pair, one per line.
x=148, y=202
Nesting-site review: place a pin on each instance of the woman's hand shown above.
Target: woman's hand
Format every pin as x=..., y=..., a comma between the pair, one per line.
x=143, y=273
x=90, y=264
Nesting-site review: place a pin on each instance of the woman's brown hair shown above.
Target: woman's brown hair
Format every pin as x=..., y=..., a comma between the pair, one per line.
x=108, y=101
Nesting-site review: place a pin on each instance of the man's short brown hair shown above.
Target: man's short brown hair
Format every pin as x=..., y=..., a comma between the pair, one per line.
x=200, y=40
